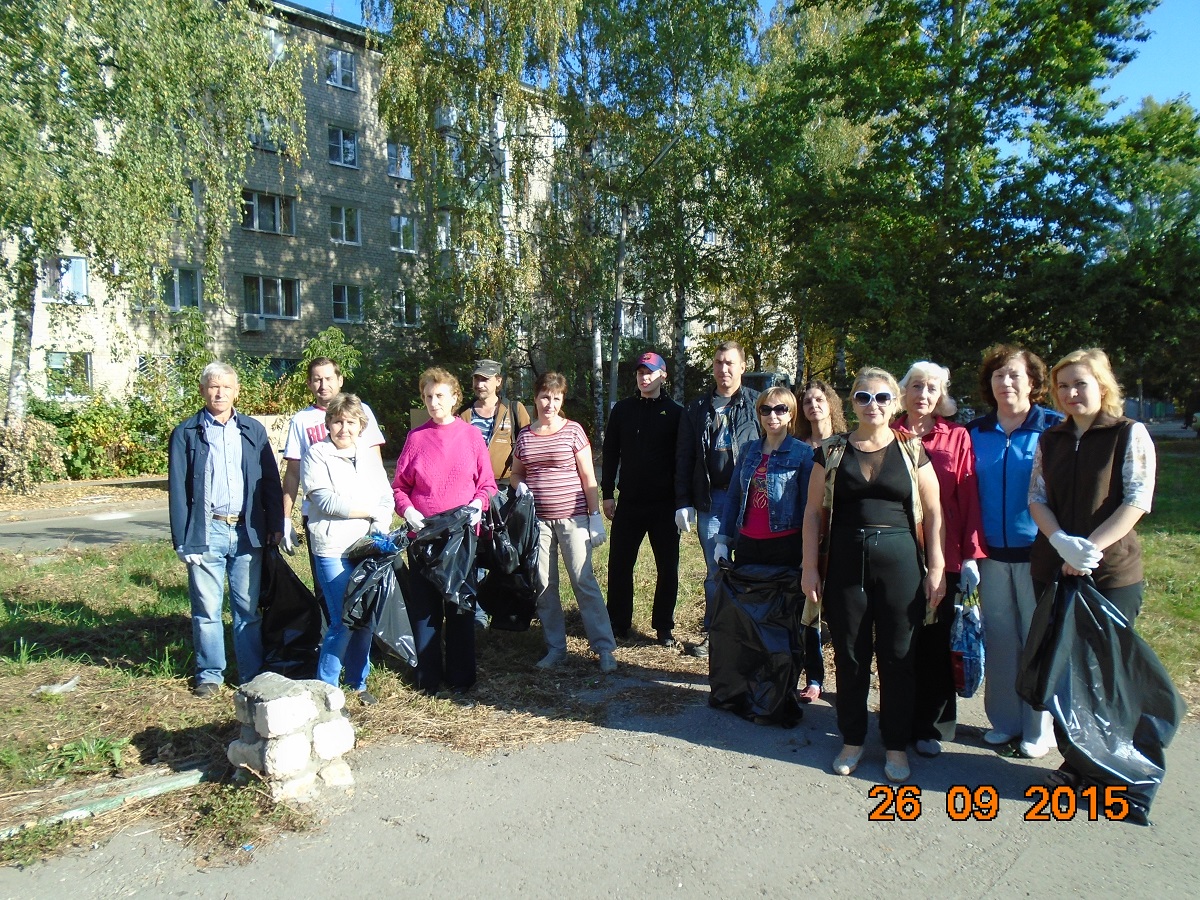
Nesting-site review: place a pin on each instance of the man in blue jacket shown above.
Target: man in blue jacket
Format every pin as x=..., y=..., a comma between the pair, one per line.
x=226, y=504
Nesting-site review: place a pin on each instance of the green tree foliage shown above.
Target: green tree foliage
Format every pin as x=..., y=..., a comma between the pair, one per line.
x=454, y=87
x=968, y=104
x=125, y=134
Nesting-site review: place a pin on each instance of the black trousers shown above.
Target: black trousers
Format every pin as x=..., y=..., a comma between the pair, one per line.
x=431, y=616
x=874, y=605
x=632, y=522
x=935, y=704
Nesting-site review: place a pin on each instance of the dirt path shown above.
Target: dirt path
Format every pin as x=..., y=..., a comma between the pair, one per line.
x=696, y=804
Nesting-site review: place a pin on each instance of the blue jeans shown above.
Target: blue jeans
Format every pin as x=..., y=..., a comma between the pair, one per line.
x=708, y=526
x=342, y=646
x=229, y=554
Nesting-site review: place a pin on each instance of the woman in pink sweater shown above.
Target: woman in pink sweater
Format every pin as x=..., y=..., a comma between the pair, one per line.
x=444, y=465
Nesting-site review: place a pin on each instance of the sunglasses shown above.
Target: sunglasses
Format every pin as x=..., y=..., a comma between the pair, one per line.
x=864, y=398
x=779, y=409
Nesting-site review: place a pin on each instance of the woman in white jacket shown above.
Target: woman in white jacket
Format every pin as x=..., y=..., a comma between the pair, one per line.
x=349, y=496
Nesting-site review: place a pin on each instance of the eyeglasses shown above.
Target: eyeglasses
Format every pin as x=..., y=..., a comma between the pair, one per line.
x=864, y=398
x=779, y=409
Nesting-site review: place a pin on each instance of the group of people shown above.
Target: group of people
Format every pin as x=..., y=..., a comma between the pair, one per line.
x=882, y=522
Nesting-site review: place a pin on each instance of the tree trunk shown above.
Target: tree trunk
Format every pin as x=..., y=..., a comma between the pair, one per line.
x=618, y=308
x=680, y=340
x=597, y=368
x=22, y=335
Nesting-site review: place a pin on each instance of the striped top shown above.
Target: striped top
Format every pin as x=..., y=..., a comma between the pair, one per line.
x=551, y=470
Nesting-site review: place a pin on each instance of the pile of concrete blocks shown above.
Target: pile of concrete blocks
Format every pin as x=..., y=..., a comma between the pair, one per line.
x=293, y=732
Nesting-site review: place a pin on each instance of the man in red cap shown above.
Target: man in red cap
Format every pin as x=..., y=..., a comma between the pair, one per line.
x=639, y=456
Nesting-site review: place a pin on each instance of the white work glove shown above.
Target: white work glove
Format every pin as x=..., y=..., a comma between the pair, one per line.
x=191, y=559
x=1077, y=552
x=720, y=552
x=288, y=544
x=968, y=579
x=476, y=511
x=521, y=489
x=596, y=535
x=381, y=524
x=684, y=517
x=413, y=517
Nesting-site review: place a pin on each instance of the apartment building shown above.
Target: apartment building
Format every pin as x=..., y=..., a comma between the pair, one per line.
x=318, y=243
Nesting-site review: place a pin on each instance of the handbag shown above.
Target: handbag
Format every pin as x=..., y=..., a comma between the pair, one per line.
x=967, y=644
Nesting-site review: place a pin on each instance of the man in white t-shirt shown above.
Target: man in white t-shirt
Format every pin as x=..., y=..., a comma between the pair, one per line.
x=307, y=428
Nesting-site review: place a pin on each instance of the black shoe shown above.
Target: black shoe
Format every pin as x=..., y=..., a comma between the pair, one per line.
x=621, y=634
x=700, y=650
x=366, y=698
x=667, y=640
x=206, y=690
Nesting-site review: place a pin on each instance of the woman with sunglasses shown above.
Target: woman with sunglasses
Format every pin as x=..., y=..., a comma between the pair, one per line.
x=927, y=406
x=879, y=495
x=821, y=416
x=764, y=510
x=1012, y=380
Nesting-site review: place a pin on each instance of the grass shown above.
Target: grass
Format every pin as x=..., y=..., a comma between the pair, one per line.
x=119, y=619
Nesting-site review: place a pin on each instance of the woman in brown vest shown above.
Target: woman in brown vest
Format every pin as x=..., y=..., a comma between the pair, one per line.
x=1093, y=479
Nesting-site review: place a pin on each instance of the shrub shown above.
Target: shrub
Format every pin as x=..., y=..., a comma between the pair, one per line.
x=29, y=455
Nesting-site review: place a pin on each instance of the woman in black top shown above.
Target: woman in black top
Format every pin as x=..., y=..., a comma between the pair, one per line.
x=878, y=580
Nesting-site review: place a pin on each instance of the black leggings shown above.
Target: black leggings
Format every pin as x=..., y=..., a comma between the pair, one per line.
x=874, y=602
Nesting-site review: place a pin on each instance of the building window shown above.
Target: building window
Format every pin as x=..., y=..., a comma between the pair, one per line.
x=399, y=160
x=181, y=288
x=267, y=212
x=710, y=234
x=405, y=313
x=282, y=366
x=404, y=233
x=560, y=195
x=68, y=375
x=343, y=147
x=278, y=298
x=347, y=303
x=340, y=68
x=343, y=225
x=634, y=324
x=264, y=133
x=65, y=280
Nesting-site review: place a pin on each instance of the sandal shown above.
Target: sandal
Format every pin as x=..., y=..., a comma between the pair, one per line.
x=1063, y=776
x=809, y=694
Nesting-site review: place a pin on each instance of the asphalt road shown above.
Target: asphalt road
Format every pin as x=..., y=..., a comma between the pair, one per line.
x=32, y=535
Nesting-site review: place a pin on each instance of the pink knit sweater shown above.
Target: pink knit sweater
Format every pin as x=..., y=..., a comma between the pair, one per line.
x=442, y=467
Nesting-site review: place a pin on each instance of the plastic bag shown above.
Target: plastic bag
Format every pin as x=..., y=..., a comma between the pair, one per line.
x=510, y=598
x=292, y=620
x=375, y=599
x=443, y=552
x=1106, y=689
x=755, y=648
x=967, y=644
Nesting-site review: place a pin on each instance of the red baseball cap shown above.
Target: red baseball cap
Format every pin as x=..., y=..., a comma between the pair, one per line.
x=652, y=361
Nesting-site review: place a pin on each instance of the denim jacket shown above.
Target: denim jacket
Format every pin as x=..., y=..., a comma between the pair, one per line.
x=788, y=470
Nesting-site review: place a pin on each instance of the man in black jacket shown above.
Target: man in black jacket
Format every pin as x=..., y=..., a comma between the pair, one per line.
x=712, y=430
x=639, y=444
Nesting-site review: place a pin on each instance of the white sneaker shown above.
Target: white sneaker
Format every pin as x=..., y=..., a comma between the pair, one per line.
x=1036, y=750
x=996, y=738
x=608, y=662
x=552, y=659
x=928, y=748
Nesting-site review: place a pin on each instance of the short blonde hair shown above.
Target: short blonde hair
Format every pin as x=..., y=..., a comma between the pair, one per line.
x=874, y=373
x=438, y=375
x=345, y=406
x=1112, y=400
x=772, y=396
x=940, y=375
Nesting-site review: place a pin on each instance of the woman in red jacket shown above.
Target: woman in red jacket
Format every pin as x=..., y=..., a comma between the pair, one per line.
x=927, y=406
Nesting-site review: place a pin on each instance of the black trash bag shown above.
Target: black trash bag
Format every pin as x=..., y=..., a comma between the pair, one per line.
x=374, y=544
x=292, y=620
x=755, y=650
x=1104, y=686
x=511, y=598
x=443, y=552
x=375, y=599
x=496, y=551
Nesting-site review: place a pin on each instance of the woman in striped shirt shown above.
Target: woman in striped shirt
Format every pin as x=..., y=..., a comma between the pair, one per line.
x=553, y=461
